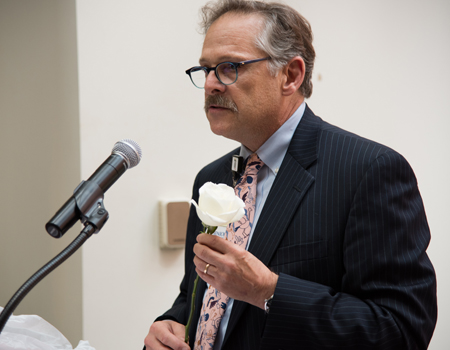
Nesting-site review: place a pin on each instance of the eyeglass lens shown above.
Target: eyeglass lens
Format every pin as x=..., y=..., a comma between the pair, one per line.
x=226, y=72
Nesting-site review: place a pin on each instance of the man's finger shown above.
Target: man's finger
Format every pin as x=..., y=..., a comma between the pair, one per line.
x=217, y=243
x=165, y=335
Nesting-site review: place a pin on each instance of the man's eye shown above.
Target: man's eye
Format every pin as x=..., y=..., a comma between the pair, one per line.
x=227, y=68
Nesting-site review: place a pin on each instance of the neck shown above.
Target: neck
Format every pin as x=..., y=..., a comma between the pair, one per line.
x=285, y=113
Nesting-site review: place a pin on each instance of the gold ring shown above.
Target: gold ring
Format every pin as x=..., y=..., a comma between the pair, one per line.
x=206, y=269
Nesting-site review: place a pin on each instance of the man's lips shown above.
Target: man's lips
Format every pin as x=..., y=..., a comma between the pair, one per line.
x=217, y=107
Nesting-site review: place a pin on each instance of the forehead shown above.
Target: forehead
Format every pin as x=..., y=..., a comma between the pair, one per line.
x=232, y=36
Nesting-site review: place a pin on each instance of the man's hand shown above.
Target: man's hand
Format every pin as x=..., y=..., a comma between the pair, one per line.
x=166, y=335
x=233, y=270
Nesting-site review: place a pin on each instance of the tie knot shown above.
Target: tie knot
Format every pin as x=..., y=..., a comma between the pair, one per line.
x=254, y=164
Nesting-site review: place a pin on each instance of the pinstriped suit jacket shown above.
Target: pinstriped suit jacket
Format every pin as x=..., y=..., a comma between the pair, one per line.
x=345, y=228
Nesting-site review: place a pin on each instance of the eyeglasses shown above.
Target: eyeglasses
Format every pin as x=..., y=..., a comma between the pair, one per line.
x=226, y=72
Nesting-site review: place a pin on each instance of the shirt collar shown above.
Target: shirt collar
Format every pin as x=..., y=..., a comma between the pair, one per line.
x=272, y=152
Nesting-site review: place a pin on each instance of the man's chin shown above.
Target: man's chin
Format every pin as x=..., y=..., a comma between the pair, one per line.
x=219, y=129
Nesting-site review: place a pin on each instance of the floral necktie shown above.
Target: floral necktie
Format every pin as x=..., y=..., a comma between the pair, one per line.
x=215, y=302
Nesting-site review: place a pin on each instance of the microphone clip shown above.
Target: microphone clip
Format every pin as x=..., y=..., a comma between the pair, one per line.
x=89, y=203
x=237, y=166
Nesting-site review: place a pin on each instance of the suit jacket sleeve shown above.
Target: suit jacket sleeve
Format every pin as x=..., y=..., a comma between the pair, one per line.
x=386, y=298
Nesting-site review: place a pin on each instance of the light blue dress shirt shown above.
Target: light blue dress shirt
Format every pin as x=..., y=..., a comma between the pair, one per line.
x=272, y=153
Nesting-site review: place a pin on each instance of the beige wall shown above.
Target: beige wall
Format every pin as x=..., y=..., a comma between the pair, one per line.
x=40, y=154
x=382, y=71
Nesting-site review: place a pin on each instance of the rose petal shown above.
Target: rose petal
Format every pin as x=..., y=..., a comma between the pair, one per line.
x=210, y=204
x=207, y=218
x=238, y=216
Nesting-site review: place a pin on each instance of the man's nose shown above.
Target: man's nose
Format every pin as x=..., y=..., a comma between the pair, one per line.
x=213, y=85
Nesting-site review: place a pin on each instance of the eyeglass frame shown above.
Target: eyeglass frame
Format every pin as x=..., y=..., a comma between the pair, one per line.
x=236, y=65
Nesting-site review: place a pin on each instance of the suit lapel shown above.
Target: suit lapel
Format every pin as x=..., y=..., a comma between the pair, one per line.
x=290, y=186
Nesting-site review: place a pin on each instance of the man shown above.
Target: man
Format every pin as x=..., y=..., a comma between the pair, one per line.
x=336, y=256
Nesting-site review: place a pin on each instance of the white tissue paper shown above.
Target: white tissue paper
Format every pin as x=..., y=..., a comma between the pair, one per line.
x=31, y=332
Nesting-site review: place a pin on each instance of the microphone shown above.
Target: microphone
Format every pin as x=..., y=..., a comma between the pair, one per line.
x=88, y=195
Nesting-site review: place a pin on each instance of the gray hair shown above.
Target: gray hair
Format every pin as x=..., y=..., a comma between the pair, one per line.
x=285, y=34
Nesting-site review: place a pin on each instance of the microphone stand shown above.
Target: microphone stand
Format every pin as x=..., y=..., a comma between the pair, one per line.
x=94, y=223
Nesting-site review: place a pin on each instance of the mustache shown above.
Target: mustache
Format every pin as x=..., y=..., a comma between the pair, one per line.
x=218, y=100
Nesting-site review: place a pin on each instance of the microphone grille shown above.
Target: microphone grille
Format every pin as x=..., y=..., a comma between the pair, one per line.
x=130, y=150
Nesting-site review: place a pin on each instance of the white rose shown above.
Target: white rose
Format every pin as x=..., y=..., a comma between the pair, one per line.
x=218, y=205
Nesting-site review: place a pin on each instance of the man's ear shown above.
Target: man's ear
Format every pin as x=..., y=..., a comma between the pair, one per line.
x=294, y=73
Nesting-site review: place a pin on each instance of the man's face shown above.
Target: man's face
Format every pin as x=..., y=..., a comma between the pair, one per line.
x=246, y=111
